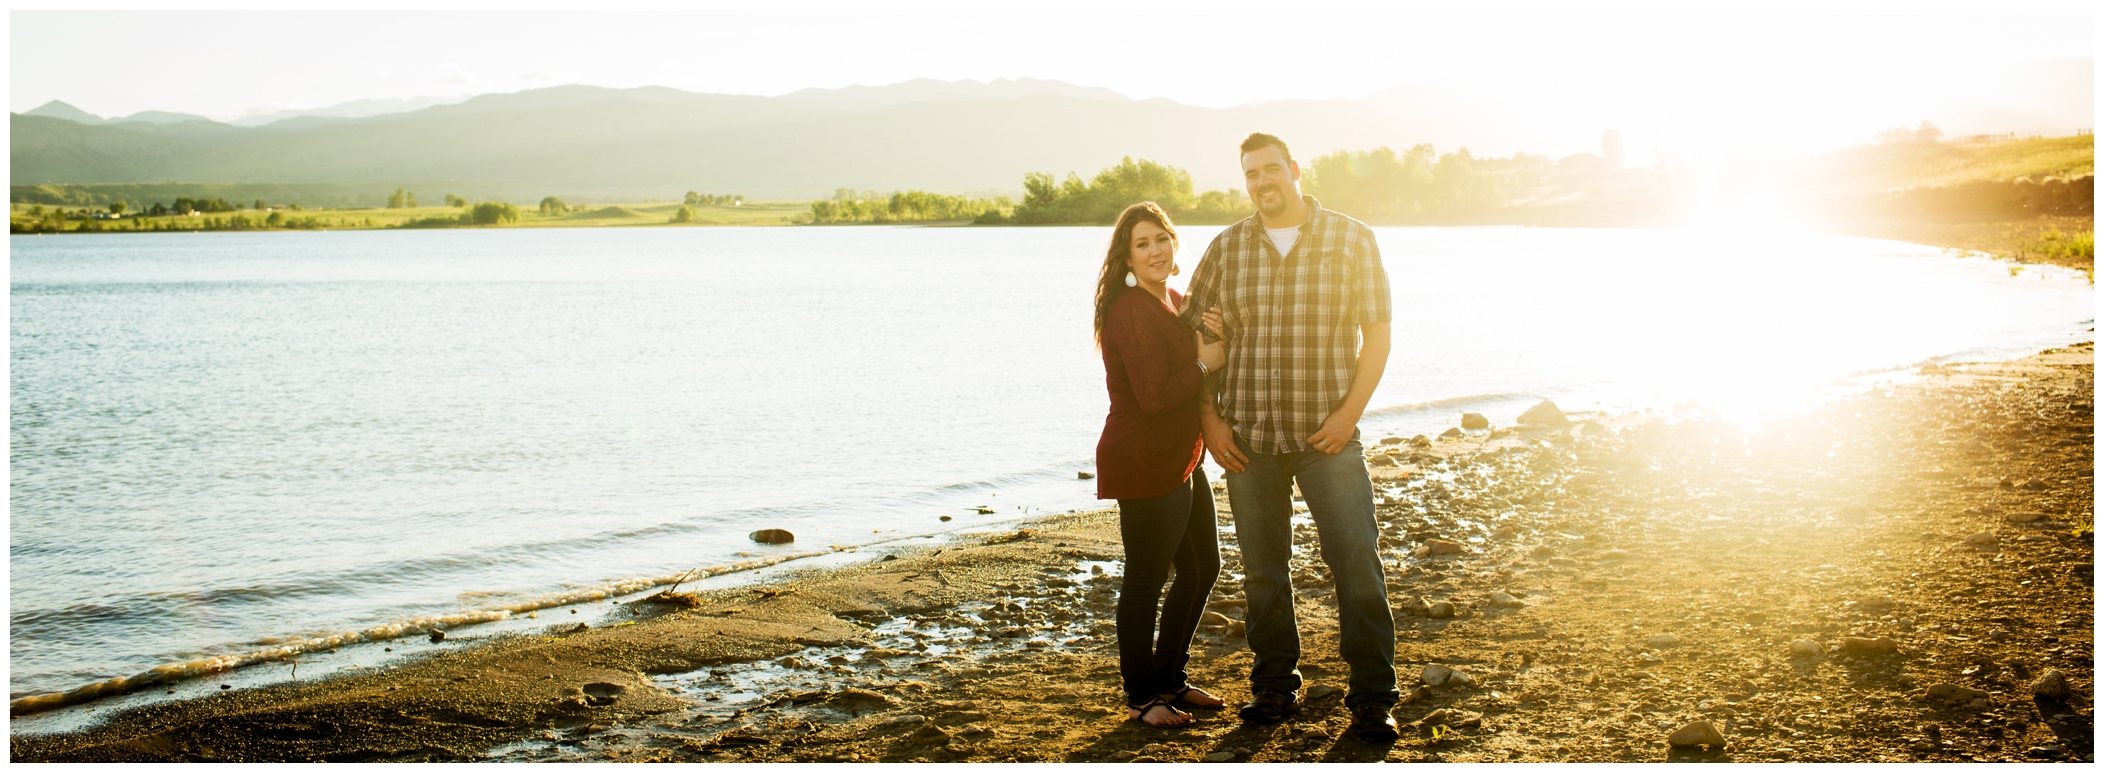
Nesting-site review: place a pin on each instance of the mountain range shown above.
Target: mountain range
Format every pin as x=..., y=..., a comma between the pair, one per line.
x=600, y=143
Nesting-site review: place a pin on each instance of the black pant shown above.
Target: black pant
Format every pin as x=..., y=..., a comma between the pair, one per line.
x=1174, y=529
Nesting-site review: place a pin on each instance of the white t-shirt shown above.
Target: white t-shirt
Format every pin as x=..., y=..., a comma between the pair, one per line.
x=1283, y=238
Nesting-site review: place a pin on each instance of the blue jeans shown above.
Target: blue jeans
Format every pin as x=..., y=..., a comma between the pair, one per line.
x=1174, y=530
x=1340, y=499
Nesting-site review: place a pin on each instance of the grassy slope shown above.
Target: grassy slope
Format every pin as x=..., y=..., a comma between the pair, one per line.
x=756, y=213
x=1875, y=168
x=2062, y=241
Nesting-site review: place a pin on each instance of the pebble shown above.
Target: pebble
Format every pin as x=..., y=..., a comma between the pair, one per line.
x=1804, y=648
x=1219, y=756
x=1451, y=433
x=772, y=536
x=902, y=720
x=2052, y=684
x=1659, y=641
x=437, y=636
x=861, y=696
x=1323, y=691
x=1860, y=646
x=1474, y=421
x=1084, y=475
x=1697, y=733
x=1442, y=609
x=1213, y=619
x=1436, y=674
x=1983, y=539
x=2024, y=517
x=1502, y=599
x=1440, y=547
x=1951, y=693
x=931, y=735
x=1124, y=754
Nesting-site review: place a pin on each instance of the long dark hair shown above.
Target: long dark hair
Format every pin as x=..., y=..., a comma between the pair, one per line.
x=1117, y=261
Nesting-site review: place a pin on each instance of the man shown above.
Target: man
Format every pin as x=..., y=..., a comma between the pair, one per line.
x=1305, y=301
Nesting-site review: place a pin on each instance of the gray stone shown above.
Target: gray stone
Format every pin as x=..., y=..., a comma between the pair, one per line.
x=1500, y=598
x=1451, y=433
x=1474, y=421
x=1321, y=691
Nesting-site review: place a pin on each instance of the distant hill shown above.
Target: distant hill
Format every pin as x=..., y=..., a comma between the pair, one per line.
x=61, y=110
x=592, y=143
x=363, y=108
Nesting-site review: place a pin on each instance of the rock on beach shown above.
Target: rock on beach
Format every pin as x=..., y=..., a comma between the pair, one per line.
x=1545, y=414
x=772, y=536
x=2052, y=685
x=1697, y=733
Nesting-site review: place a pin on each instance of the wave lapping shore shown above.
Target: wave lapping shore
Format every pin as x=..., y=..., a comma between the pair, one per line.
x=1906, y=575
x=192, y=669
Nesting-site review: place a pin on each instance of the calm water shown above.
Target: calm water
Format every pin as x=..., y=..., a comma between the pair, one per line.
x=220, y=438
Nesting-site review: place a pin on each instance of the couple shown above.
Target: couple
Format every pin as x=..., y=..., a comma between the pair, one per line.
x=1267, y=364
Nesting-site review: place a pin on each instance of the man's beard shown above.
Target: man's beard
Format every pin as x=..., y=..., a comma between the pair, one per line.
x=1276, y=209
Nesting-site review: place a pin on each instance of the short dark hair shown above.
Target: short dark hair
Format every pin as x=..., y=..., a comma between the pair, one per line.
x=1257, y=140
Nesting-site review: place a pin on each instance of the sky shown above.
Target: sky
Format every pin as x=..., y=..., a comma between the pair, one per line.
x=1665, y=79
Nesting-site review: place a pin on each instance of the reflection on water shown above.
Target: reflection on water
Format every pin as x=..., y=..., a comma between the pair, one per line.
x=221, y=438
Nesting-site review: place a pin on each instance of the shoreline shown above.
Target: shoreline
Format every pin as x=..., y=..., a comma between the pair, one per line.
x=996, y=648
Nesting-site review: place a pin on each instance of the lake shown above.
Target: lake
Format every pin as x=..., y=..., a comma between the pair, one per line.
x=221, y=440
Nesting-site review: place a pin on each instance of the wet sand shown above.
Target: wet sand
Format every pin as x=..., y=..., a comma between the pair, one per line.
x=1928, y=541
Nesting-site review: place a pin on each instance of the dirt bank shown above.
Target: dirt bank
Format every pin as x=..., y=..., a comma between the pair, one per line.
x=1659, y=571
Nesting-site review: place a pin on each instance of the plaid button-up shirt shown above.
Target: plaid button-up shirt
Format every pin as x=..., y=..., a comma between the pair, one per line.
x=1292, y=323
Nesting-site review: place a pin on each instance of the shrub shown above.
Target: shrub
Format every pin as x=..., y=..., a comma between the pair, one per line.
x=493, y=213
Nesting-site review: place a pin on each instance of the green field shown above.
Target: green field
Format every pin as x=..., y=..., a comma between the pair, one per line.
x=587, y=216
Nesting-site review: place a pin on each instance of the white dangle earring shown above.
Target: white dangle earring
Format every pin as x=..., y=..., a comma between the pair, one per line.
x=1130, y=280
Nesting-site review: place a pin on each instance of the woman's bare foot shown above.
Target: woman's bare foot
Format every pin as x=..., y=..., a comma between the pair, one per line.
x=1198, y=698
x=1158, y=715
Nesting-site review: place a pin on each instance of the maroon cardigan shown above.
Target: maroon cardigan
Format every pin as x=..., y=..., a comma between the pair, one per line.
x=1151, y=441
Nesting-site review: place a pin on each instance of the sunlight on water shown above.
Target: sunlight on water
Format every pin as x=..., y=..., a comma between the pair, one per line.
x=218, y=440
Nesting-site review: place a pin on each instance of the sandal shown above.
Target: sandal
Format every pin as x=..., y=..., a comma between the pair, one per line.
x=1176, y=700
x=1178, y=718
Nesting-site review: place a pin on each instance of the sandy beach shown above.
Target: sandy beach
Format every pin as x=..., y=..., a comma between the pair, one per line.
x=1906, y=575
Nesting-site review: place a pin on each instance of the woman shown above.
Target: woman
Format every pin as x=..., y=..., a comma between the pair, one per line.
x=1147, y=459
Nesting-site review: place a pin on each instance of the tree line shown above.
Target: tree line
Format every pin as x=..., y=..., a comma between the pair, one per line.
x=1379, y=184
x=1416, y=184
x=902, y=207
